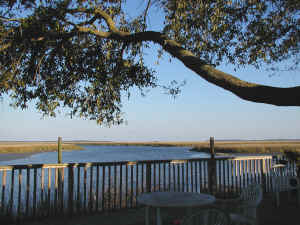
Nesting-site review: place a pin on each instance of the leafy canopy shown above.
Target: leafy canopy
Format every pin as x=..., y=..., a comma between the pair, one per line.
x=83, y=55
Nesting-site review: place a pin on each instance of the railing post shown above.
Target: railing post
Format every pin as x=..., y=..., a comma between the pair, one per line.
x=212, y=178
x=70, y=188
x=59, y=147
x=148, y=177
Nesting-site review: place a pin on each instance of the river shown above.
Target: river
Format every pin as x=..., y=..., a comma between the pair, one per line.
x=105, y=153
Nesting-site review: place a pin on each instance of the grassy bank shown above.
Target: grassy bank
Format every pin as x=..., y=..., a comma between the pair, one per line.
x=33, y=147
x=251, y=147
x=220, y=146
x=152, y=144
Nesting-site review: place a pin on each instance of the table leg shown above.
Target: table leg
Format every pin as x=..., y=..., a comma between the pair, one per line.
x=158, y=217
x=147, y=216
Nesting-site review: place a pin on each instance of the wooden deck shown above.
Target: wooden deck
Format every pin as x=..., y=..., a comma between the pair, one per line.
x=287, y=213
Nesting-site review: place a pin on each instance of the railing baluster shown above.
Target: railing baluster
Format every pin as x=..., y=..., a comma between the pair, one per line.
x=232, y=177
x=3, y=191
x=251, y=171
x=196, y=176
x=154, y=177
x=148, y=177
x=78, y=199
x=62, y=189
x=109, y=188
x=174, y=177
x=256, y=171
x=192, y=180
x=247, y=172
x=71, y=189
x=205, y=175
x=56, y=190
x=121, y=183
x=97, y=187
x=169, y=175
x=159, y=177
x=182, y=177
x=178, y=176
x=131, y=187
x=34, y=191
x=219, y=182
x=103, y=189
x=244, y=173
x=27, y=191
x=240, y=174
x=42, y=187
x=115, y=186
x=229, y=175
x=224, y=178
x=164, y=181
x=126, y=185
x=136, y=179
x=84, y=188
x=91, y=190
x=19, y=193
x=187, y=175
x=12, y=191
x=49, y=192
x=201, y=180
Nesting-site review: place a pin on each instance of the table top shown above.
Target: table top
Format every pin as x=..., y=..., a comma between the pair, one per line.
x=175, y=199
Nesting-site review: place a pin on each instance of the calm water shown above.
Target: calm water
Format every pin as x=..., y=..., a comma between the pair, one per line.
x=94, y=153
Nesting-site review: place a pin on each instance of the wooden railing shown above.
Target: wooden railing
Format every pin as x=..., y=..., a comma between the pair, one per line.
x=40, y=190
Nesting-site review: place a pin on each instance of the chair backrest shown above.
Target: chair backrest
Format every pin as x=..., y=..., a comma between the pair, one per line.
x=209, y=216
x=282, y=178
x=285, y=183
x=252, y=195
x=282, y=170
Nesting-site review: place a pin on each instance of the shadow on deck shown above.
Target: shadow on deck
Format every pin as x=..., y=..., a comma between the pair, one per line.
x=287, y=213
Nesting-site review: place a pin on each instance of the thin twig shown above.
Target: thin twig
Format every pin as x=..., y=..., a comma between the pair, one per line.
x=145, y=13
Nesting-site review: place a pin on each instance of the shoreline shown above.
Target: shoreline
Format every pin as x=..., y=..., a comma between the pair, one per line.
x=21, y=150
x=13, y=156
x=34, y=147
x=16, y=150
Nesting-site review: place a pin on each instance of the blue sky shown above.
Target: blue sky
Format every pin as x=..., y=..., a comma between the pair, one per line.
x=200, y=111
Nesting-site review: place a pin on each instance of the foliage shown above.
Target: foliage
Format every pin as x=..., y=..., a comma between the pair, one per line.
x=84, y=55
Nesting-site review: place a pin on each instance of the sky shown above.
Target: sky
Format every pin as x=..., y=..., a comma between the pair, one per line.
x=200, y=111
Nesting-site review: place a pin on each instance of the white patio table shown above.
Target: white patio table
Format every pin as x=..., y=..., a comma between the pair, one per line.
x=172, y=199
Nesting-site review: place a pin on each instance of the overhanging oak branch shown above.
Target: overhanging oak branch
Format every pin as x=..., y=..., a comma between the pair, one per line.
x=245, y=90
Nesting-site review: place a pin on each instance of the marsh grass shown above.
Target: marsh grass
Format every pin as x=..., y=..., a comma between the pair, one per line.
x=254, y=147
x=33, y=147
x=220, y=146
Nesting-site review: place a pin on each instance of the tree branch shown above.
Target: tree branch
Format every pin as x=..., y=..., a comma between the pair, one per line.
x=101, y=14
x=10, y=19
x=146, y=11
x=245, y=90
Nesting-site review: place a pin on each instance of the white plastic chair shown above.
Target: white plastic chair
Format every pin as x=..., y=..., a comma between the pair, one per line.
x=282, y=180
x=243, y=210
x=210, y=216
